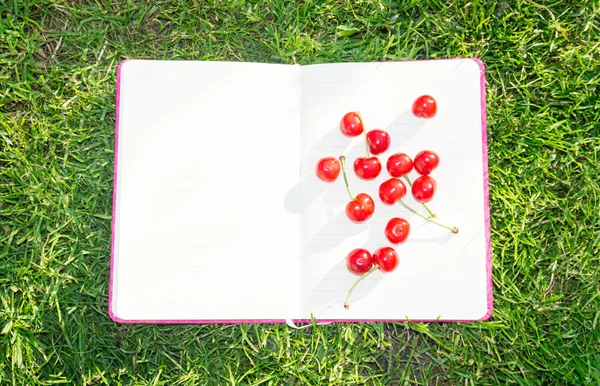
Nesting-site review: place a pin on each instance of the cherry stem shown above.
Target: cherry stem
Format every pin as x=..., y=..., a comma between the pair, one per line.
x=431, y=213
x=347, y=303
x=407, y=178
x=451, y=229
x=343, y=163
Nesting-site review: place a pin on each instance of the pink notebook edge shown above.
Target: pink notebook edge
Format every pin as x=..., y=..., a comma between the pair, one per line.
x=490, y=300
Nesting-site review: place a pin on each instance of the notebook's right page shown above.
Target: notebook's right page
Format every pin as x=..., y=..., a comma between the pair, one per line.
x=441, y=275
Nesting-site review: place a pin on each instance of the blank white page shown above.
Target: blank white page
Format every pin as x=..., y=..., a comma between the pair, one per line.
x=440, y=275
x=204, y=226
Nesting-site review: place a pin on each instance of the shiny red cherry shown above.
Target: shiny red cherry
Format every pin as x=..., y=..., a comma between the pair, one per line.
x=361, y=208
x=386, y=259
x=426, y=161
x=391, y=191
x=367, y=168
x=423, y=189
x=399, y=164
x=351, y=124
x=378, y=141
x=424, y=107
x=359, y=261
x=397, y=230
x=328, y=169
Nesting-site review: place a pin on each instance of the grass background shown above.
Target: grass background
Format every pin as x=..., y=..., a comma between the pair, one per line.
x=57, y=109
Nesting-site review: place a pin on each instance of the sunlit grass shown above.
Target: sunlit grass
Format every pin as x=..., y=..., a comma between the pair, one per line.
x=57, y=109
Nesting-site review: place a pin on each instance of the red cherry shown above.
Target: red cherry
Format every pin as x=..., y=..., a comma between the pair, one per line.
x=328, y=169
x=361, y=208
x=378, y=141
x=351, y=124
x=359, y=261
x=367, y=168
x=397, y=230
x=399, y=164
x=426, y=161
x=391, y=191
x=424, y=107
x=386, y=259
x=423, y=189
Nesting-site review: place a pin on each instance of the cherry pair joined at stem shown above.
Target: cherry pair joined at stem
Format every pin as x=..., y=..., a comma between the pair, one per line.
x=361, y=207
x=424, y=186
x=390, y=192
x=361, y=262
x=393, y=190
x=377, y=141
x=400, y=164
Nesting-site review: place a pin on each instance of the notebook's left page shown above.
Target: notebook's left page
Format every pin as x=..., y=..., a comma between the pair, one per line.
x=203, y=226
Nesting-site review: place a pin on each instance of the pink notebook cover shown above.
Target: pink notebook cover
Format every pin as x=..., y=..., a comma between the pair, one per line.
x=484, y=159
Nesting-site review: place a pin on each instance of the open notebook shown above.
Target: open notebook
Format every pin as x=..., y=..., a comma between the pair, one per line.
x=218, y=215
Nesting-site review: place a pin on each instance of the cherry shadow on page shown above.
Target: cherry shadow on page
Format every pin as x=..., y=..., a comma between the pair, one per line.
x=337, y=227
x=402, y=129
x=293, y=199
x=328, y=236
x=296, y=196
x=441, y=239
x=332, y=289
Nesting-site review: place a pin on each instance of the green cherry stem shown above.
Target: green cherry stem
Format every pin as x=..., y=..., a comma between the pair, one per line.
x=343, y=163
x=366, y=145
x=431, y=213
x=451, y=229
x=347, y=303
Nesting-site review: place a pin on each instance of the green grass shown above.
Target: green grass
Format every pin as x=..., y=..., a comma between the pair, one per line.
x=57, y=110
